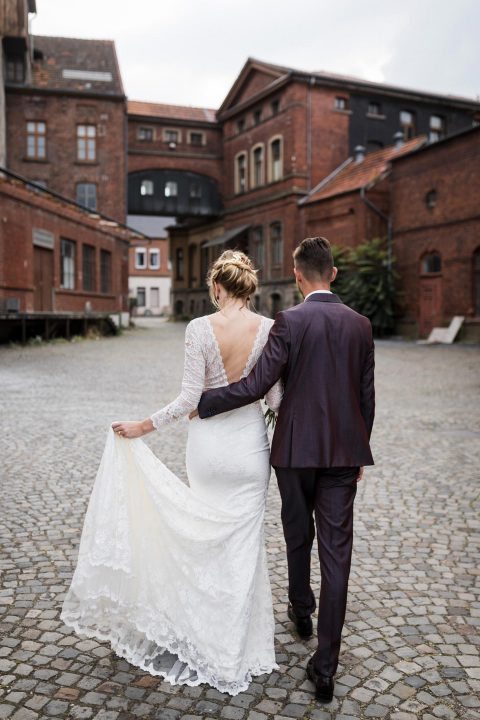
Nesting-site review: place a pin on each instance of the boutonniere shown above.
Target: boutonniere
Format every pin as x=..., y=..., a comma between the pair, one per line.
x=270, y=418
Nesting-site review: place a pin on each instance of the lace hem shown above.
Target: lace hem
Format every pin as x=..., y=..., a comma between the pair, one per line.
x=154, y=647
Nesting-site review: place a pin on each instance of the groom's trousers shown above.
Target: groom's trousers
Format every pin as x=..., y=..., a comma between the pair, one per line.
x=326, y=495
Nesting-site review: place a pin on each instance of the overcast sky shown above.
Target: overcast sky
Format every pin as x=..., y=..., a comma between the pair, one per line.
x=189, y=52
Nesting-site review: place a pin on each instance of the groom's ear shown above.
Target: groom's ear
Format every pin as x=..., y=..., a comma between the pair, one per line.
x=334, y=274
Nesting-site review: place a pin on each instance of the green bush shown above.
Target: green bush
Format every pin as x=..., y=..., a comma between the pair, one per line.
x=365, y=282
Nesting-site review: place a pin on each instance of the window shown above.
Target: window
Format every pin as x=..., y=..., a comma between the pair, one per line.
x=195, y=191
x=437, y=128
x=241, y=125
x=432, y=263
x=258, y=247
x=179, y=264
x=275, y=106
x=407, y=124
x=145, y=134
x=105, y=271
x=374, y=108
x=241, y=173
x=154, y=259
x=204, y=263
x=87, y=195
x=257, y=116
x=67, y=264
x=86, y=143
x=89, y=268
x=154, y=297
x=257, y=166
x=15, y=70
x=171, y=189
x=171, y=136
x=196, y=138
x=140, y=258
x=275, y=171
x=431, y=199
x=36, y=140
x=276, y=241
x=141, y=297
x=341, y=103
x=146, y=187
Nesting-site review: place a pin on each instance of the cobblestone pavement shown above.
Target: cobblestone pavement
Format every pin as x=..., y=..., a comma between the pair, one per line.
x=411, y=642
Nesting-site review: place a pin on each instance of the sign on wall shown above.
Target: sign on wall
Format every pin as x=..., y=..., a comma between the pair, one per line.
x=43, y=238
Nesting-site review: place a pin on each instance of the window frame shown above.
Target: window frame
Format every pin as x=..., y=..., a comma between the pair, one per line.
x=151, y=253
x=253, y=166
x=144, y=129
x=86, y=185
x=86, y=248
x=143, y=184
x=141, y=290
x=202, y=135
x=408, y=129
x=276, y=242
x=179, y=264
x=68, y=275
x=140, y=266
x=167, y=130
x=88, y=142
x=170, y=185
x=37, y=136
x=237, y=187
x=340, y=104
x=272, y=140
x=440, y=132
x=105, y=280
x=431, y=254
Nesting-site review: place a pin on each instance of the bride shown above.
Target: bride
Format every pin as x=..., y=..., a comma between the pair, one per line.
x=175, y=577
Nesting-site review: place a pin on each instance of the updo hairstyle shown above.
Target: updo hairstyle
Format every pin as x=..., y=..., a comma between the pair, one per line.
x=235, y=272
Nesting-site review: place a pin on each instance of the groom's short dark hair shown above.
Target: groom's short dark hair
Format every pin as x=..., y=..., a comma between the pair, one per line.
x=313, y=257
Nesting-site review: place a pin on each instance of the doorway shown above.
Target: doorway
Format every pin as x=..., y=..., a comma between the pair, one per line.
x=430, y=293
x=42, y=279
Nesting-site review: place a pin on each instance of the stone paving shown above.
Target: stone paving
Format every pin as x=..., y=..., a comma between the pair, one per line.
x=411, y=641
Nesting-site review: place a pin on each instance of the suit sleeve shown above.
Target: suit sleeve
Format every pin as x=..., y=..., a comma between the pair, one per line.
x=264, y=375
x=367, y=387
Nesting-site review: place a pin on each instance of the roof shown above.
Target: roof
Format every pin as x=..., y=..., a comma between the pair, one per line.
x=76, y=65
x=282, y=74
x=171, y=112
x=475, y=130
x=351, y=175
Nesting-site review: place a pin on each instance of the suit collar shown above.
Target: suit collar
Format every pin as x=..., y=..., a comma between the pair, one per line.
x=323, y=297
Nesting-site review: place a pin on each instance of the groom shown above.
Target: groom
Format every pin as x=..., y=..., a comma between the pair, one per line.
x=324, y=353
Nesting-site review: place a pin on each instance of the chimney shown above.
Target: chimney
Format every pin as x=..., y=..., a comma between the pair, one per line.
x=398, y=139
x=359, y=153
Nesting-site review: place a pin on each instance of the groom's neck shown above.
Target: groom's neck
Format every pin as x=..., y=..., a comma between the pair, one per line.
x=311, y=287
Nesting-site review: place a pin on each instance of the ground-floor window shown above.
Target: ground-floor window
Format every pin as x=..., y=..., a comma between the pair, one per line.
x=154, y=297
x=141, y=297
x=89, y=268
x=67, y=264
x=105, y=271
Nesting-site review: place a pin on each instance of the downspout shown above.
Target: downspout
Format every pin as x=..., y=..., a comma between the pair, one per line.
x=309, y=131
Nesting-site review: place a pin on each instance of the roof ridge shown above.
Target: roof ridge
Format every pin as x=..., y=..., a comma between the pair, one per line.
x=172, y=105
x=67, y=37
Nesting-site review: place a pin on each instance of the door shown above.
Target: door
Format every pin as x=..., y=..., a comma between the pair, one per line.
x=42, y=278
x=430, y=304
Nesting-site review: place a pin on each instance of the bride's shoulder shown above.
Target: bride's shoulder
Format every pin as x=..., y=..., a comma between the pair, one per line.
x=267, y=321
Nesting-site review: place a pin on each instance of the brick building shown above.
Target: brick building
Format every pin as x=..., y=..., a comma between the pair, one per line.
x=66, y=120
x=283, y=132
x=57, y=257
x=435, y=201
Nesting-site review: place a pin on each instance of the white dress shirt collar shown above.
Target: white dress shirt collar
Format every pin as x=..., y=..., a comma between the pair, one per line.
x=317, y=291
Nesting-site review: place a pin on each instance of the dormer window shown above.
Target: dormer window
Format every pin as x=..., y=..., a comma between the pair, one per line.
x=437, y=128
x=407, y=124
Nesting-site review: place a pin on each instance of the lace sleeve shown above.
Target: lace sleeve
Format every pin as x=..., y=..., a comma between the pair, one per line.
x=274, y=396
x=193, y=382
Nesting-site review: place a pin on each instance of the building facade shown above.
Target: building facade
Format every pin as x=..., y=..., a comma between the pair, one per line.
x=149, y=277
x=435, y=197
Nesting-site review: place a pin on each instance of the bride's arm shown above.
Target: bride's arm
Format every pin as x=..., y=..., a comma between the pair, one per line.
x=192, y=387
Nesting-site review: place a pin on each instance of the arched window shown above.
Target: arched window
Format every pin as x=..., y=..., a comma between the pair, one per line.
x=257, y=166
x=240, y=180
x=431, y=263
x=275, y=159
x=476, y=281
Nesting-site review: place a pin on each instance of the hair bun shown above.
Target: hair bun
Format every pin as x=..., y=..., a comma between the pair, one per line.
x=236, y=272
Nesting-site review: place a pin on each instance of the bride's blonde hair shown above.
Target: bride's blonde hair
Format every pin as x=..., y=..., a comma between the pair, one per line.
x=235, y=272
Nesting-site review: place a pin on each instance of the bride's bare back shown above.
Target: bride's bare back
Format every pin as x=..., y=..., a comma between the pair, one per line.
x=236, y=336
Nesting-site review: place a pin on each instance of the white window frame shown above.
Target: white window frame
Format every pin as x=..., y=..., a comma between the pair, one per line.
x=138, y=266
x=271, y=177
x=147, y=194
x=151, y=253
x=165, y=130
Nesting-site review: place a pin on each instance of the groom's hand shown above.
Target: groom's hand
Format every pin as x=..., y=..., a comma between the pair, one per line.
x=360, y=474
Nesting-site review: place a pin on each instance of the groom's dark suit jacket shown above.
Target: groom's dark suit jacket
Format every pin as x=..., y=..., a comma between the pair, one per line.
x=324, y=353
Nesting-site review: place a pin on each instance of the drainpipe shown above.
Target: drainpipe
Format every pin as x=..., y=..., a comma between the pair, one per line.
x=309, y=131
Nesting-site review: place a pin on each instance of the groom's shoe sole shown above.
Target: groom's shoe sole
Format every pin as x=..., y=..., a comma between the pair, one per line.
x=323, y=685
x=303, y=625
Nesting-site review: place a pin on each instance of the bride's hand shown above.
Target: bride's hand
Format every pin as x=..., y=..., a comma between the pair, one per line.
x=132, y=429
x=193, y=414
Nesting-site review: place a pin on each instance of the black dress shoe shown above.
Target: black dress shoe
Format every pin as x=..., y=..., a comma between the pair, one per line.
x=323, y=684
x=303, y=624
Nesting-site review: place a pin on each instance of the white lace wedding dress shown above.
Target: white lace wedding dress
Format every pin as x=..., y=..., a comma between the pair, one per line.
x=175, y=577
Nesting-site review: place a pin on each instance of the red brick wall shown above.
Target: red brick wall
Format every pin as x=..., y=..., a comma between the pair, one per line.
x=21, y=211
x=157, y=243
x=451, y=228
x=61, y=169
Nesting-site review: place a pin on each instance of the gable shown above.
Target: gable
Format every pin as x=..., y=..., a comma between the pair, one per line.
x=255, y=82
x=254, y=77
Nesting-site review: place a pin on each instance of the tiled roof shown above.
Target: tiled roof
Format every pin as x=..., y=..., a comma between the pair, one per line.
x=353, y=175
x=173, y=112
x=77, y=65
